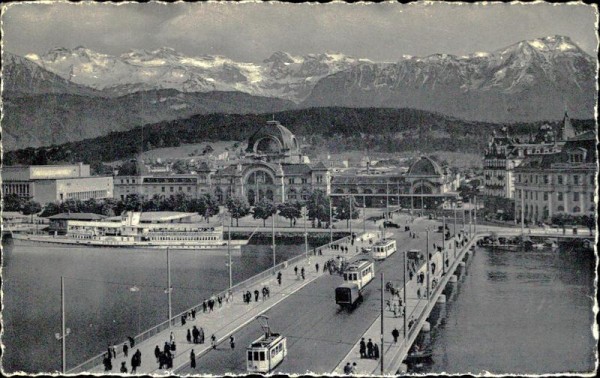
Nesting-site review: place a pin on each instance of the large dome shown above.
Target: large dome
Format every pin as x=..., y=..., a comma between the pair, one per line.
x=425, y=166
x=273, y=138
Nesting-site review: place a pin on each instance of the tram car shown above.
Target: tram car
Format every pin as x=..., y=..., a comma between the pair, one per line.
x=266, y=352
x=383, y=248
x=356, y=276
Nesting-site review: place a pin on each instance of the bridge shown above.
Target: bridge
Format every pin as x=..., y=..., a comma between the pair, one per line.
x=322, y=338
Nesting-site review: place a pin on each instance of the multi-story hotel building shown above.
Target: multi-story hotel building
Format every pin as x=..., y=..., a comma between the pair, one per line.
x=563, y=182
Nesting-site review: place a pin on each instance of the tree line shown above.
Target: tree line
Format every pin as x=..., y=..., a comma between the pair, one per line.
x=317, y=207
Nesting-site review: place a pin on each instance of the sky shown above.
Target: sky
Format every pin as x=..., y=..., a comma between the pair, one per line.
x=251, y=32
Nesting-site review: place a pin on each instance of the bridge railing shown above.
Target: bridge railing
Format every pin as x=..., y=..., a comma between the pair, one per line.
x=98, y=359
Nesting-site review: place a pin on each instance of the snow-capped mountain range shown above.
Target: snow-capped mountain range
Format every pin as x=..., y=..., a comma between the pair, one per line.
x=527, y=81
x=281, y=75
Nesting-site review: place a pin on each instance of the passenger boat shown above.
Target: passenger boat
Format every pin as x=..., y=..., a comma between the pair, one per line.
x=136, y=230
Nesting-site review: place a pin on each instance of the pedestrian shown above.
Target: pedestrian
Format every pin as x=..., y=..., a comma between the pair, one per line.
x=131, y=341
x=138, y=358
x=296, y=270
x=220, y=300
x=171, y=337
x=195, y=334
x=114, y=351
x=279, y=278
x=188, y=336
x=232, y=342
x=201, y=335
x=134, y=364
x=161, y=360
x=213, y=341
x=156, y=352
x=194, y=314
x=192, y=359
x=182, y=320
x=317, y=267
x=106, y=362
x=354, y=368
x=370, y=349
x=363, y=348
x=376, y=351
x=173, y=346
x=167, y=347
x=123, y=367
x=204, y=306
x=125, y=349
x=347, y=369
x=302, y=272
x=256, y=295
x=395, y=335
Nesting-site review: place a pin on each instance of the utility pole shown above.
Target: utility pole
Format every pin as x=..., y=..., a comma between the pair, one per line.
x=304, y=211
x=427, y=257
x=404, y=294
x=350, y=215
x=522, y=212
x=387, y=202
x=444, y=244
x=229, y=256
x=64, y=331
x=169, y=288
x=364, y=214
x=330, y=220
x=475, y=214
x=455, y=238
x=273, y=242
x=382, y=350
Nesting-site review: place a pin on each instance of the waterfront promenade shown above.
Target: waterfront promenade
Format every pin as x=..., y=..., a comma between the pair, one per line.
x=231, y=316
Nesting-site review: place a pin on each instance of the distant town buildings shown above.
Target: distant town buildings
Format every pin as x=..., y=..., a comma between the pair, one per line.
x=504, y=153
x=55, y=183
x=272, y=167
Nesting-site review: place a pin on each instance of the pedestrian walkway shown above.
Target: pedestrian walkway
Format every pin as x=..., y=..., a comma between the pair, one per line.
x=231, y=316
x=416, y=304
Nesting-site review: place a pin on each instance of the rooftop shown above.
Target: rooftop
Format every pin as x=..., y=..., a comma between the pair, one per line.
x=77, y=216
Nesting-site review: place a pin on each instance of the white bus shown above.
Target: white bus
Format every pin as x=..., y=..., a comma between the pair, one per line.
x=383, y=248
x=266, y=352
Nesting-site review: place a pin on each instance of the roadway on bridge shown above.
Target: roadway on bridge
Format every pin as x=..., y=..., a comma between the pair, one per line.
x=319, y=334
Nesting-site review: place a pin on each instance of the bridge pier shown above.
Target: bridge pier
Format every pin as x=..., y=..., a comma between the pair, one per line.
x=403, y=369
x=438, y=313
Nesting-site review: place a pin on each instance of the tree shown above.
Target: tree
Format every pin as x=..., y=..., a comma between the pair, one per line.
x=70, y=206
x=31, y=207
x=132, y=202
x=238, y=207
x=263, y=209
x=318, y=206
x=290, y=210
x=211, y=204
x=180, y=167
x=180, y=202
x=12, y=202
x=129, y=168
x=91, y=206
x=343, y=210
x=153, y=204
x=50, y=209
x=110, y=207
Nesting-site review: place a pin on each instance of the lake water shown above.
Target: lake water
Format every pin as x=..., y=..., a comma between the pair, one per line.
x=100, y=307
x=520, y=312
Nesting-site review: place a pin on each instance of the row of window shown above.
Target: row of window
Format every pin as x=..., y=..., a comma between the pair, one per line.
x=86, y=195
x=20, y=189
x=560, y=179
x=559, y=195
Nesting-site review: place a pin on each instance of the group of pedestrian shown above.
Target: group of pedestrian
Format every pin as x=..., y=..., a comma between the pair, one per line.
x=266, y=292
x=209, y=305
x=247, y=296
x=302, y=272
x=369, y=349
x=196, y=335
x=164, y=357
x=350, y=369
x=188, y=315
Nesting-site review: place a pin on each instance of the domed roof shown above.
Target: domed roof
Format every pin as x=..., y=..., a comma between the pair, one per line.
x=425, y=166
x=272, y=138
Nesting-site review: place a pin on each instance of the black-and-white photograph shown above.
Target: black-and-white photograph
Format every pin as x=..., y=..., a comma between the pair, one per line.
x=277, y=188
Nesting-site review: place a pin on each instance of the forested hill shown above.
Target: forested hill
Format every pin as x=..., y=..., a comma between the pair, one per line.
x=379, y=129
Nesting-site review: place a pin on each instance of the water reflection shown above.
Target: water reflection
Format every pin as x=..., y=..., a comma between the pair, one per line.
x=526, y=312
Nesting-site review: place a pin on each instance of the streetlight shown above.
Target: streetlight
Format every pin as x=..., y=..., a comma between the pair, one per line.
x=304, y=211
x=64, y=331
x=169, y=288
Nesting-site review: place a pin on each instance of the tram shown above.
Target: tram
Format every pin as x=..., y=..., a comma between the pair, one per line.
x=356, y=276
x=266, y=352
x=383, y=248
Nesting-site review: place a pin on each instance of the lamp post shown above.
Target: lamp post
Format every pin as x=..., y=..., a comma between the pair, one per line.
x=404, y=293
x=273, y=242
x=330, y=220
x=304, y=211
x=169, y=288
x=64, y=330
x=427, y=262
x=444, y=244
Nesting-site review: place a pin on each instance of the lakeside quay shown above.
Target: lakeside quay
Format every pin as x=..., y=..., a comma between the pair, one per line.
x=225, y=320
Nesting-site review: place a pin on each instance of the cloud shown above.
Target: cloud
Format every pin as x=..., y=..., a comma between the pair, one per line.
x=252, y=31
